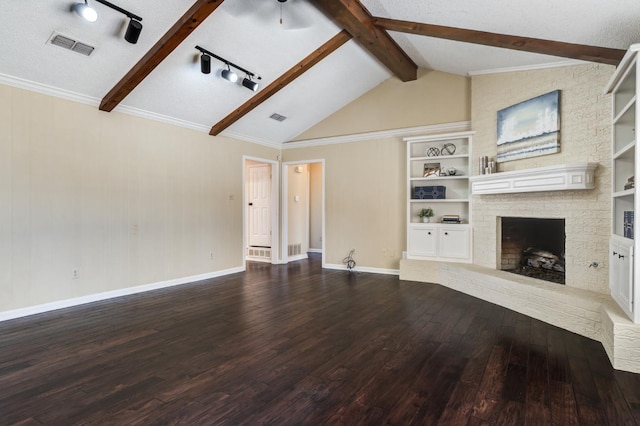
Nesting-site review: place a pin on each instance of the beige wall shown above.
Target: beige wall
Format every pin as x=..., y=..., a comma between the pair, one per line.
x=435, y=97
x=315, y=206
x=124, y=200
x=364, y=200
x=585, y=116
x=298, y=211
x=365, y=181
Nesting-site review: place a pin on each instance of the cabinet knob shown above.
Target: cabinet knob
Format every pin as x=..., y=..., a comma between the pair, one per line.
x=620, y=256
x=429, y=232
x=614, y=253
x=446, y=233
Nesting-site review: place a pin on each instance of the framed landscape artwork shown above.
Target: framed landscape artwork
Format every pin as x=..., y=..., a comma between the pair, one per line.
x=530, y=128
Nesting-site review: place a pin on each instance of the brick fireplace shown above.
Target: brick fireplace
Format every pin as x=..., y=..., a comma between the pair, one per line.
x=547, y=193
x=533, y=247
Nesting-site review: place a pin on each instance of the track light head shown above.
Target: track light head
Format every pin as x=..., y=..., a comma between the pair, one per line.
x=205, y=64
x=250, y=84
x=133, y=31
x=86, y=11
x=229, y=75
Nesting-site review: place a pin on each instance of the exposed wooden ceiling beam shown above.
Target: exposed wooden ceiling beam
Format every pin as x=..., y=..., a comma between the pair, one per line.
x=296, y=71
x=352, y=16
x=582, y=52
x=200, y=10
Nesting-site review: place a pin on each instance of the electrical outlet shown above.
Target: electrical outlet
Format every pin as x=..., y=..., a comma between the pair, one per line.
x=75, y=274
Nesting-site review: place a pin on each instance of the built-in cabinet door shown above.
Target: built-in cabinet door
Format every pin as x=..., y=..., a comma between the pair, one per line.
x=621, y=273
x=423, y=240
x=454, y=242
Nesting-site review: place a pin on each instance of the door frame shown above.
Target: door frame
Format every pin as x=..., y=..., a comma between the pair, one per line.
x=285, y=206
x=275, y=197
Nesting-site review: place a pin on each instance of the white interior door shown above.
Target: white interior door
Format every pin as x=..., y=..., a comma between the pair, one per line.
x=260, y=205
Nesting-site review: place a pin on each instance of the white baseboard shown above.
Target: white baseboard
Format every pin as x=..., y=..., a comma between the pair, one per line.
x=258, y=259
x=61, y=304
x=314, y=250
x=363, y=269
x=297, y=257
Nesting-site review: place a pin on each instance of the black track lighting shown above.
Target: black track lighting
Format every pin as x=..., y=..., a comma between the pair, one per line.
x=86, y=11
x=227, y=74
x=205, y=64
x=250, y=84
x=133, y=29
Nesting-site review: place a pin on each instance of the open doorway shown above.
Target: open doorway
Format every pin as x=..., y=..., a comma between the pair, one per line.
x=260, y=211
x=303, y=209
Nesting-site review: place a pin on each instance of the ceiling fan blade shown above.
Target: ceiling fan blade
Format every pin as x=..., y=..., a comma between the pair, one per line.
x=293, y=16
x=243, y=8
x=582, y=52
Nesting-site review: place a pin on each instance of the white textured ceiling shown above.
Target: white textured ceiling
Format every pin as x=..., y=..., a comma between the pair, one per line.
x=248, y=33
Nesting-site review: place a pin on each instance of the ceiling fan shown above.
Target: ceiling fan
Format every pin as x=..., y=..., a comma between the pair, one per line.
x=290, y=14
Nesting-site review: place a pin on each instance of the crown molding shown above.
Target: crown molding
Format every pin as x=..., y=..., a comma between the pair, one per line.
x=160, y=118
x=250, y=139
x=359, y=137
x=44, y=89
x=560, y=64
x=56, y=92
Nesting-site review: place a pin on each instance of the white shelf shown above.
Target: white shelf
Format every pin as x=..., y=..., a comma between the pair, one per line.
x=626, y=193
x=562, y=177
x=625, y=150
x=440, y=157
x=425, y=179
x=440, y=200
x=624, y=110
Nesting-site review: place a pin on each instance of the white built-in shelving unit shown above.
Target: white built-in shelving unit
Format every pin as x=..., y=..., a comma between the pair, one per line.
x=436, y=240
x=625, y=164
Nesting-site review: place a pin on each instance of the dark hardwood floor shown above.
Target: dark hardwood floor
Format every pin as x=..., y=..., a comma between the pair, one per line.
x=298, y=345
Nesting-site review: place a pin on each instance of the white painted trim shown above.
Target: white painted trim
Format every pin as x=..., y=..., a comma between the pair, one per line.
x=44, y=89
x=250, y=139
x=161, y=118
x=61, y=304
x=275, y=211
x=359, y=137
x=258, y=259
x=298, y=257
x=563, y=177
x=623, y=68
x=314, y=250
x=382, y=271
x=534, y=67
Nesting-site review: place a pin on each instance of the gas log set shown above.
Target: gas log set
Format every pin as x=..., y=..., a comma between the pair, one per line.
x=542, y=264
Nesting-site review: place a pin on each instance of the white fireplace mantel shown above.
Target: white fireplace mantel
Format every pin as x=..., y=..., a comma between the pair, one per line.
x=563, y=177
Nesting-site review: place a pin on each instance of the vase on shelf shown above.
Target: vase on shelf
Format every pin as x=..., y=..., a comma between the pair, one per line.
x=426, y=219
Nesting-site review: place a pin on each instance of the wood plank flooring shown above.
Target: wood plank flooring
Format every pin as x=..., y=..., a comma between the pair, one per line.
x=298, y=345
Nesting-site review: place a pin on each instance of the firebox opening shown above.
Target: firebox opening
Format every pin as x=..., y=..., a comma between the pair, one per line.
x=534, y=247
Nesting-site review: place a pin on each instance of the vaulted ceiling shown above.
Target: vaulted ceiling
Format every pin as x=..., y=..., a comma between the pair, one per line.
x=313, y=56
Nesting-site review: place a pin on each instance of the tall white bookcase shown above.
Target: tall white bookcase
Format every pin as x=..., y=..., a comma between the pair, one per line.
x=623, y=246
x=436, y=240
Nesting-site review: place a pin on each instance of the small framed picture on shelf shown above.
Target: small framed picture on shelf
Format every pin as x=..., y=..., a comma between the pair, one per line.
x=431, y=169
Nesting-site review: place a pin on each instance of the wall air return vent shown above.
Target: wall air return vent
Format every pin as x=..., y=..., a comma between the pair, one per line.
x=278, y=117
x=71, y=44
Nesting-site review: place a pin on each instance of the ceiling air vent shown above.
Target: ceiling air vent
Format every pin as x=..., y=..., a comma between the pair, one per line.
x=278, y=117
x=71, y=44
